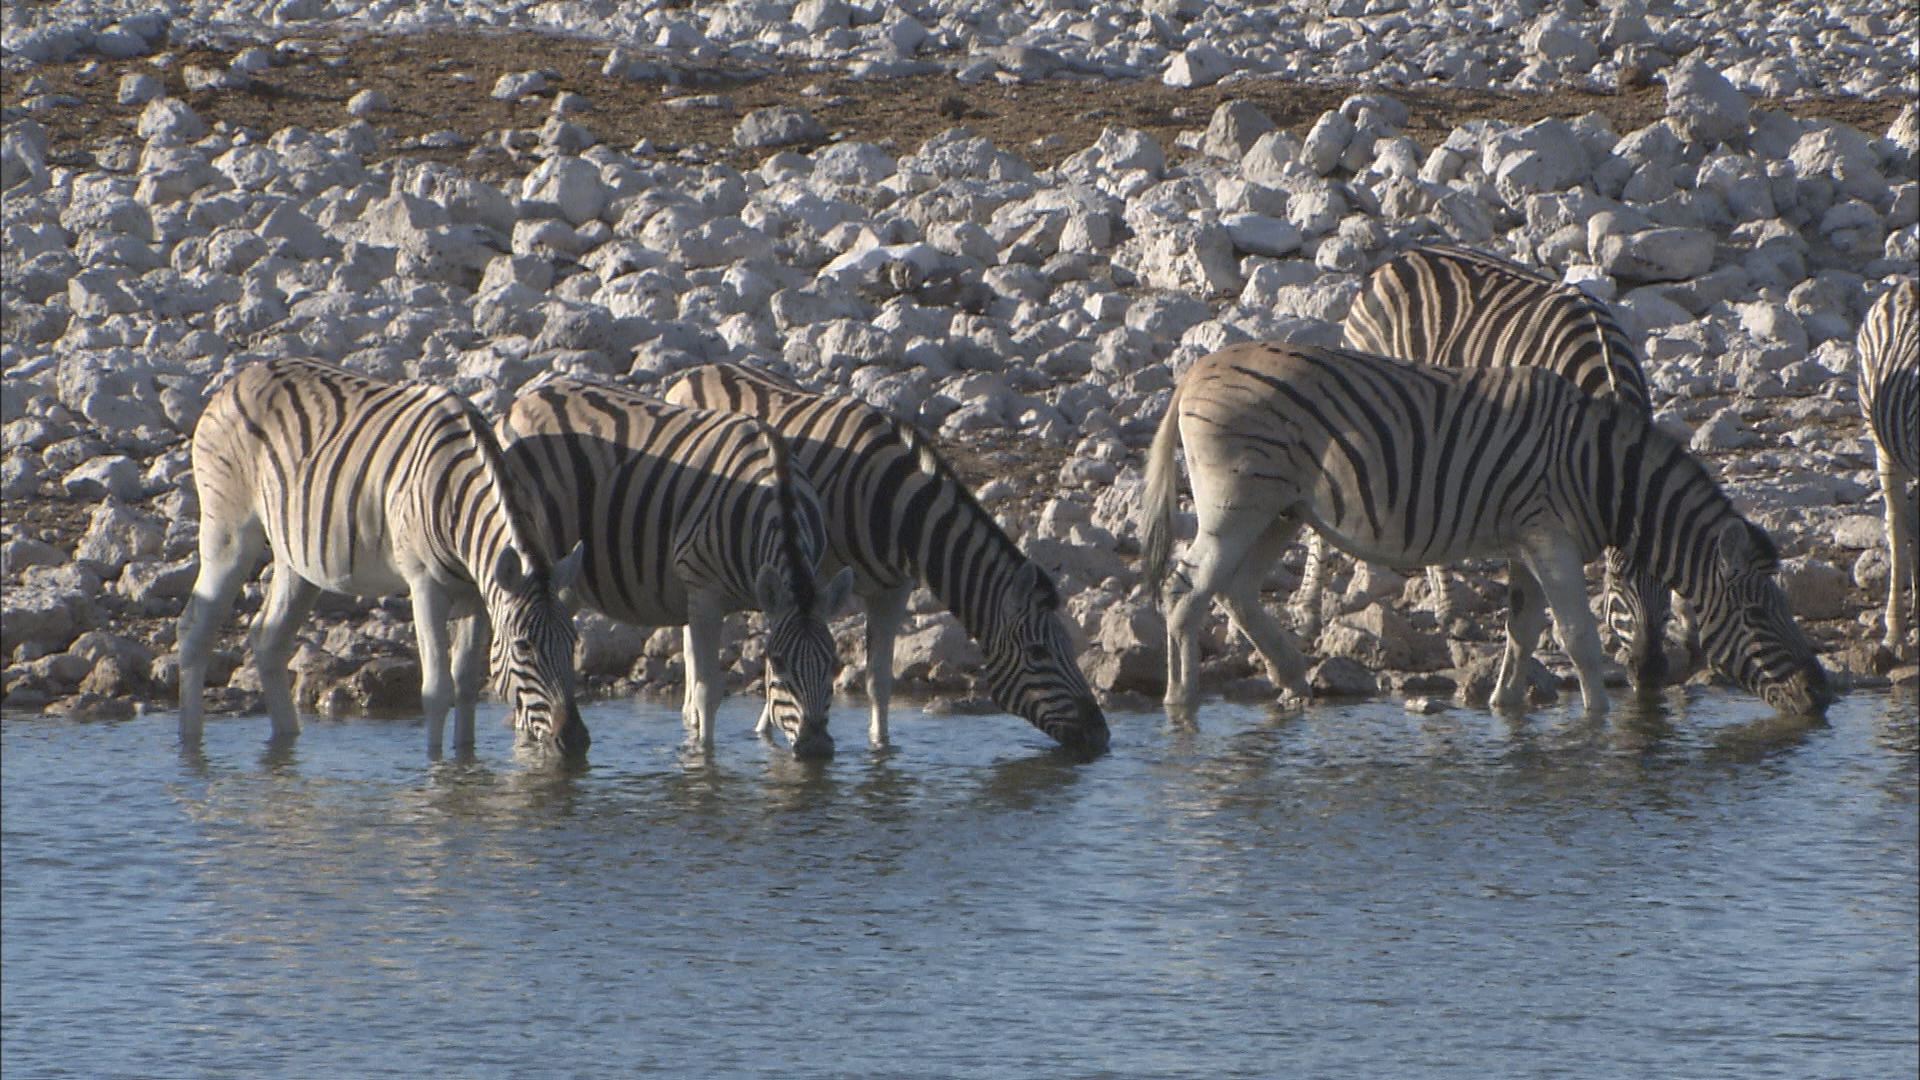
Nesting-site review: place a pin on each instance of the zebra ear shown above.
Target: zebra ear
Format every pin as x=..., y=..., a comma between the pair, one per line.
x=1030, y=587
x=567, y=570
x=1741, y=547
x=770, y=589
x=507, y=571
x=835, y=596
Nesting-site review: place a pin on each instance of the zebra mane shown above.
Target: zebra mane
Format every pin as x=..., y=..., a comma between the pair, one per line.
x=1662, y=451
x=933, y=464
x=799, y=581
x=521, y=531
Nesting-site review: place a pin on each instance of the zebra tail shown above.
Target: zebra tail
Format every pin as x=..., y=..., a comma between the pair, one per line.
x=1156, y=511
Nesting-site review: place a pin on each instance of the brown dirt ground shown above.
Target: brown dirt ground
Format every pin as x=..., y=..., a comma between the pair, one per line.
x=438, y=81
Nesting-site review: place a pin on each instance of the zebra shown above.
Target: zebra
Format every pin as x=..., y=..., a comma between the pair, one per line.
x=367, y=487
x=1457, y=307
x=1414, y=465
x=1889, y=344
x=898, y=515
x=687, y=515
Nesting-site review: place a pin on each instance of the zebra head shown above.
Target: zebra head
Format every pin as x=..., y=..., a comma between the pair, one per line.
x=1747, y=629
x=800, y=657
x=1030, y=666
x=532, y=650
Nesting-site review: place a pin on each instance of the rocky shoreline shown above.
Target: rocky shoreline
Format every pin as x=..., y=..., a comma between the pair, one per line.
x=182, y=198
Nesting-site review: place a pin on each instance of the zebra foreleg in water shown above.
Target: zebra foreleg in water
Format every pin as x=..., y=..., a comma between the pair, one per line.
x=1889, y=346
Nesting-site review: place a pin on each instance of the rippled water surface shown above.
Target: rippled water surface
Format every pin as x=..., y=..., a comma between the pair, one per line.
x=1693, y=889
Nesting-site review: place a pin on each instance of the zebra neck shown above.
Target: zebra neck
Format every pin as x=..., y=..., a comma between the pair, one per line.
x=1666, y=514
x=966, y=562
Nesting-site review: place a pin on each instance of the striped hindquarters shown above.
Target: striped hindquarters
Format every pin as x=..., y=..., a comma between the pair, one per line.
x=1456, y=307
x=1889, y=345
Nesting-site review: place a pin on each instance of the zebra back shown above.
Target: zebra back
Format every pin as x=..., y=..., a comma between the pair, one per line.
x=662, y=495
x=1889, y=346
x=348, y=472
x=901, y=511
x=1457, y=307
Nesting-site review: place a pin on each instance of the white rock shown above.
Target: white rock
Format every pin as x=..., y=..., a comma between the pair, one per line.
x=1326, y=142
x=568, y=186
x=139, y=87
x=1724, y=430
x=1259, y=234
x=1234, y=128
x=368, y=103
x=516, y=85
x=777, y=125
x=117, y=535
x=1656, y=254
x=170, y=118
x=1199, y=65
x=1702, y=105
x=115, y=474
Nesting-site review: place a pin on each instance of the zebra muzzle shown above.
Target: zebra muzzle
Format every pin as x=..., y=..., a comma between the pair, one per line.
x=813, y=742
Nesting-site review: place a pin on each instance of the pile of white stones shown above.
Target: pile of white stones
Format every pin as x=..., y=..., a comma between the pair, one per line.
x=955, y=285
x=1862, y=47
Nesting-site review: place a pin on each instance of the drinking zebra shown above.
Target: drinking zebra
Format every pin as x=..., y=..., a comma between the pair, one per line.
x=367, y=487
x=897, y=515
x=1890, y=396
x=1413, y=465
x=1456, y=307
x=687, y=515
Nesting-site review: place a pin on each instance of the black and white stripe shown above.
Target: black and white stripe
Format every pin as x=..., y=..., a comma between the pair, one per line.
x=897, y=515
x=369, y=488
x=1889, y=344
x=687, y=515
x=1457, y=307
x=1412, y=465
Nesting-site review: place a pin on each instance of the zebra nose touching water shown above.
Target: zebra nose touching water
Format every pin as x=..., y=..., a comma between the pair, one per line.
x=1410, y=465
x=897, y=515
x=687, y=515
x=370, y=488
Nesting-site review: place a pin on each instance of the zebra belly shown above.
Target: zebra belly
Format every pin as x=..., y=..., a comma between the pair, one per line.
x=1388, y=547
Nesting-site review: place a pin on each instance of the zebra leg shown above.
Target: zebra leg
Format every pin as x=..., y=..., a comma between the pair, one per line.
x=885, y=611
x=701, y=657
x=290, y=599
x=227, y=557
x=432, y=608
x=471, y=636
x=1901, y=567
x=1563, y=578
x=1442, y=600
x=1526, y=618
x=1217, y=557
x=1313, y=583
x=1285, y=666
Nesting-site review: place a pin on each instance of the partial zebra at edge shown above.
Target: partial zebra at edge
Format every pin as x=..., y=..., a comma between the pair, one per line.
x=1889, y=347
